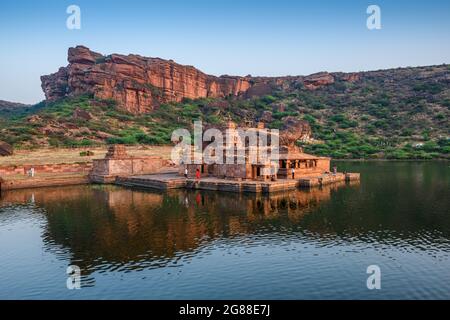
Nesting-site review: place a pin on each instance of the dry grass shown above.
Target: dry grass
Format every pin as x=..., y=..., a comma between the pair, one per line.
x=72, y=155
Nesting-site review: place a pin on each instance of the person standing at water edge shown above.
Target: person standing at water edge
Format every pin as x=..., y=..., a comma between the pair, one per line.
x=293, y=173
x=186, y=173
x=197, y=174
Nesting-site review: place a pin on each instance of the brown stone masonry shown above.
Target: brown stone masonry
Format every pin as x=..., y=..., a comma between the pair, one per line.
x=117, y=163
x=82, y=167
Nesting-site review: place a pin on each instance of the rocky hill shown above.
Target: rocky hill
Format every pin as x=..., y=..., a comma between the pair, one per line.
x=8, y=108
x=10, y=105
x=397, y=113
x=139, y=84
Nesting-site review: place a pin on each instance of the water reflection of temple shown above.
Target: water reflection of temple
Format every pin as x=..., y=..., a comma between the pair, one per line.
x=124, y=226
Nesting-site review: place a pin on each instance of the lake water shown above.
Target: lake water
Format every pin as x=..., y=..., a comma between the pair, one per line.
x=138, y=244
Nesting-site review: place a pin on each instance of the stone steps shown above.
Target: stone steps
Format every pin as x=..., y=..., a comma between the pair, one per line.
x=171, y=181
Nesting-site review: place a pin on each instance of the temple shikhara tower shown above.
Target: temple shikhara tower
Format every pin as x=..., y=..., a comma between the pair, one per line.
x=290, y=162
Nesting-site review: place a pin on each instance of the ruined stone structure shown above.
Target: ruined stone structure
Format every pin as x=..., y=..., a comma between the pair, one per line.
x=264, y=168
x=117, y=163
x=58, y=168
x=117, y=151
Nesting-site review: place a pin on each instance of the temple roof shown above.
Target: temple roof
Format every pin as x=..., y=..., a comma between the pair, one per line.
x=299, y=156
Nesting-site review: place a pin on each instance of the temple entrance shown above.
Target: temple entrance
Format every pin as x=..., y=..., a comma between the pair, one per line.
x=256, y=172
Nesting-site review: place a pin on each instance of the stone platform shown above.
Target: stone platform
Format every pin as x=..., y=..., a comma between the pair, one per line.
x=171, y=180
x=160, y=181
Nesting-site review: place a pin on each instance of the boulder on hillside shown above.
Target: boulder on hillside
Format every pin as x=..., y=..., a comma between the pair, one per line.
x=317, y=80
x=293, y=130
x=81, y=114
x=266, y=116
x=34, y=119
x=5, y=149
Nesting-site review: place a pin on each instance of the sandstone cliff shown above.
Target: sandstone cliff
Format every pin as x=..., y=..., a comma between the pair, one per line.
x=139, y=84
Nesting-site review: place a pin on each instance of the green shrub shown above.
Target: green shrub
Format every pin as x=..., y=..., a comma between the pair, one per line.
x=87, y=153
x=431, y=146
x=130, y=140
x=309, y=118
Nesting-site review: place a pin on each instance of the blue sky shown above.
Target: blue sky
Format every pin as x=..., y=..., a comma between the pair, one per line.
x=255, y=37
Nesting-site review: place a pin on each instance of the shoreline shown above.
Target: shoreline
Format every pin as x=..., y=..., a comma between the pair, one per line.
x=171, y=180
x=23, y=181
x=66, y=155
x=392, y=160
x=55, y=180
x=64, y=166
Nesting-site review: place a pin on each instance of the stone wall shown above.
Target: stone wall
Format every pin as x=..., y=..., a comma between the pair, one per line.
x=44, y=181
x=237, y=171
x=81, y=167
x=106, y=170
x=323, y=164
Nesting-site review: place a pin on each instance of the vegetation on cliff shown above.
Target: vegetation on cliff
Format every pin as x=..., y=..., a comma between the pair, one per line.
x=397, y=113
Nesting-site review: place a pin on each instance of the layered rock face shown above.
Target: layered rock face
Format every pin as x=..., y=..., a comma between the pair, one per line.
x=139, y=84
x=317, y=80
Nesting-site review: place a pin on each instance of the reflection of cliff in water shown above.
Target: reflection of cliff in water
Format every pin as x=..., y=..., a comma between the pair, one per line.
x=100, y=226
x=115, y=225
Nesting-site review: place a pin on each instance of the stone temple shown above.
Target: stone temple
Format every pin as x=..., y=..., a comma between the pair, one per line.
x=248, y=164
x=250, y=171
